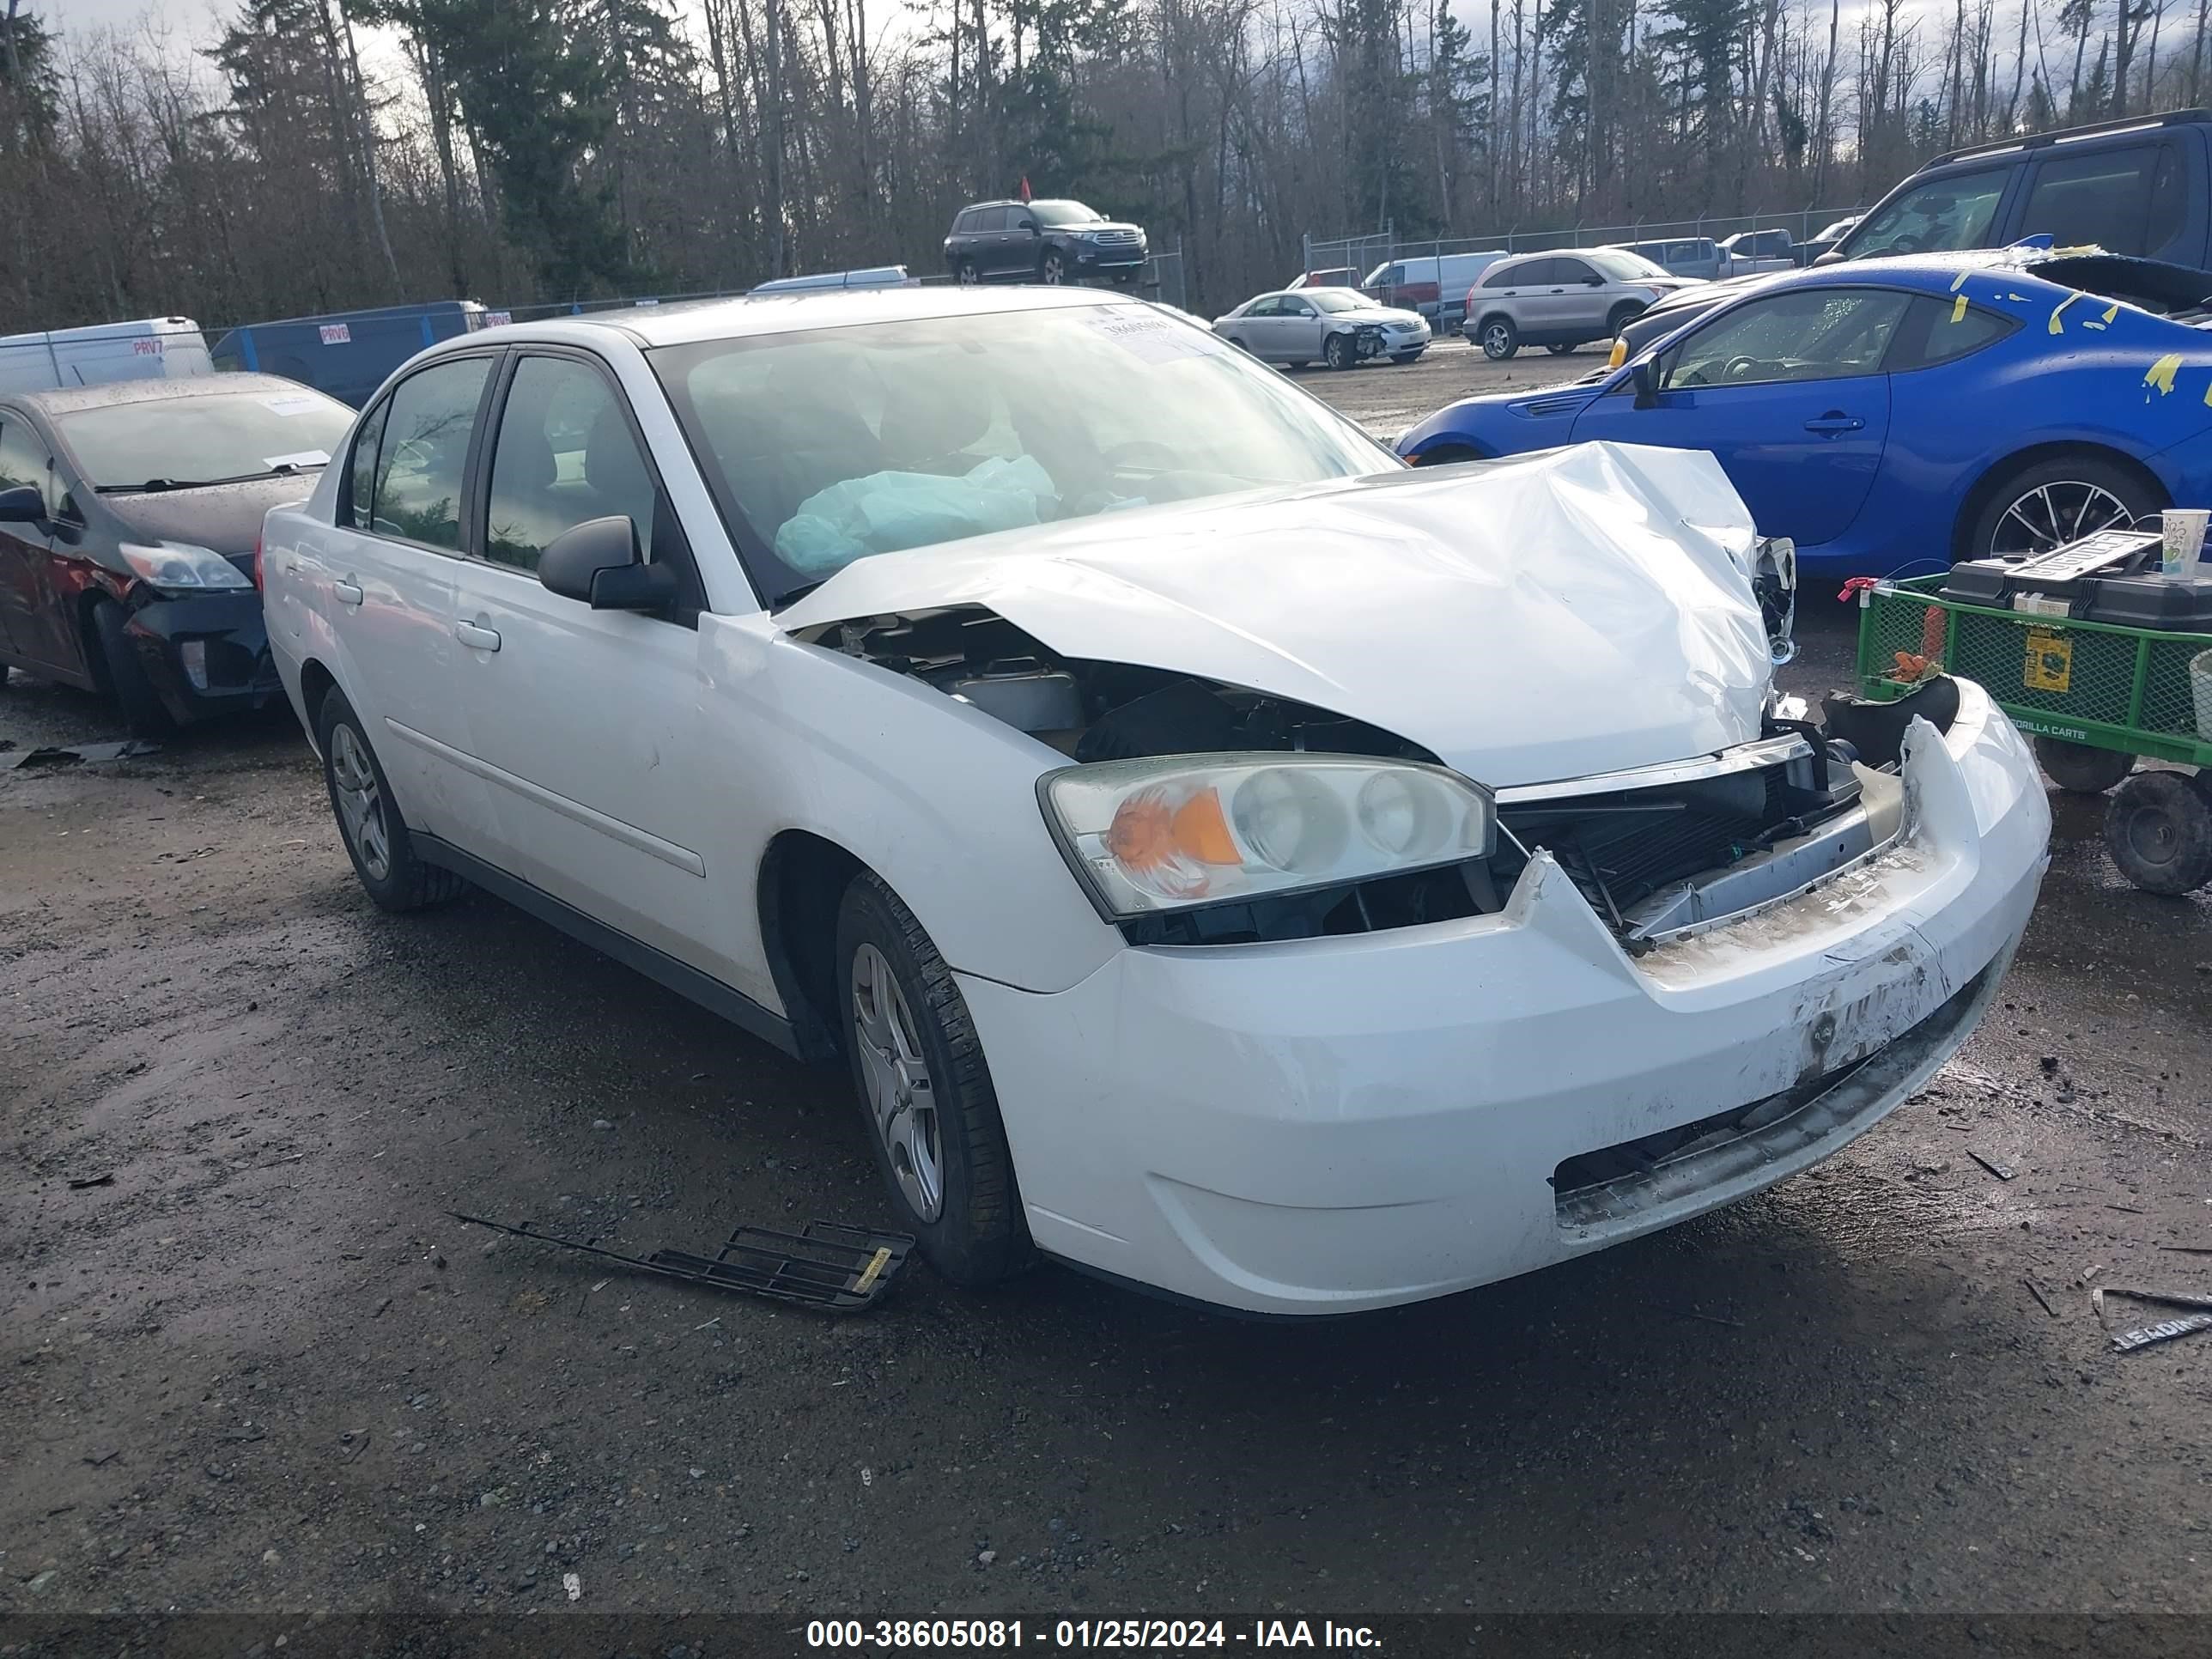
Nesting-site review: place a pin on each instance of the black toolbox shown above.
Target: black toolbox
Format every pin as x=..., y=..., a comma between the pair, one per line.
x=2110, y=577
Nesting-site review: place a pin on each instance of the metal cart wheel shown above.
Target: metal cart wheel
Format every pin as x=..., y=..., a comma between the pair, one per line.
x=2081, y=770
x=2158, y=828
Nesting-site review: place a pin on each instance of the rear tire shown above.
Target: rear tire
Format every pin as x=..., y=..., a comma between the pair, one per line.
x=2080, y=769
x=125, y=672
x=1498, y=338
x=2038, y=506
x=925, y=1092
x=967, y=273
x=2158, y=828
x=375, y=837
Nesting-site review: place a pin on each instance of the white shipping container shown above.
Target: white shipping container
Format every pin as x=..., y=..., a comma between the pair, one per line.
x=152, y=348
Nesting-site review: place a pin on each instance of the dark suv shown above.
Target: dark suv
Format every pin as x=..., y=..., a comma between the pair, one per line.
x=1042, y=242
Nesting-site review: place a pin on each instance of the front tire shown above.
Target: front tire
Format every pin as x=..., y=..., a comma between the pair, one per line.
x=2158, y=831
x=375, y=837
x=1406, y=358
x=1336, y=351
x=1619, y=318
x=925, y=1092
x=1052, y=269
x=1498, y=338
x=1563, y=349
x=2080, y=769
x=126, y=673
x=2037, y=507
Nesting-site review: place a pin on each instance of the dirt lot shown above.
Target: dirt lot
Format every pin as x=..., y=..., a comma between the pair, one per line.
x=258, y=1368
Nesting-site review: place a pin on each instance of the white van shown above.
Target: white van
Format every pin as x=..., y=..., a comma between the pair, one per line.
x=1435, y=285
x=153, y=349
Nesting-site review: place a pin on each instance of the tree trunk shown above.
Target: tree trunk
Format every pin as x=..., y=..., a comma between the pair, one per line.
x=772, y=206
x=366, y=122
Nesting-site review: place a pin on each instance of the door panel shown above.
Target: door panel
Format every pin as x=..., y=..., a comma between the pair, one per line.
x=1580, y=304
x=1786, y=393
x=583, y=722
x=26, y=631
x=386, y=580
x=1297, y=332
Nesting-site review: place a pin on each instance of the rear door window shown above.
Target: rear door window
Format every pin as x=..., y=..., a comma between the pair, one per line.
x=2125, y=201
x=423, y=454
x=1937, y=332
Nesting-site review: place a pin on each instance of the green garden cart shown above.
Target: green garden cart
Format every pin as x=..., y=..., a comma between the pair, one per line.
x=2096, y=697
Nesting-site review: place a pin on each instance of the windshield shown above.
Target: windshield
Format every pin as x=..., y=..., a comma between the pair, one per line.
x=1064, y=213
x=1338, y=299
x=826, y=447
x=170, y=443
x=1624, y=266
x=1940, y=217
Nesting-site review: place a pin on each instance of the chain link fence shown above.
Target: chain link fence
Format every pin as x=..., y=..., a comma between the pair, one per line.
x=1363, y=254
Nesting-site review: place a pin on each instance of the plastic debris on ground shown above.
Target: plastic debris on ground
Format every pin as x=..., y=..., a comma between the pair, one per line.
x=79, y=754
x=2164, y=1330
x=836, y=1268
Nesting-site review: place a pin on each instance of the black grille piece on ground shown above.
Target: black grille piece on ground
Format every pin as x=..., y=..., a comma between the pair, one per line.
x=837, y=1269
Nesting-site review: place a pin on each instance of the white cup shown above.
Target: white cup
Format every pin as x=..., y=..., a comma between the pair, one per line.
x=2185, y=540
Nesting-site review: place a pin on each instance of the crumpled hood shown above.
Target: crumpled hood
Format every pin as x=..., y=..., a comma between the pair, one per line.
x=1573, y=611
x=225, y=517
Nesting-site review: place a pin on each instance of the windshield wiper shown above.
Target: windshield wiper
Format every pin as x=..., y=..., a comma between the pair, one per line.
x=155, y=485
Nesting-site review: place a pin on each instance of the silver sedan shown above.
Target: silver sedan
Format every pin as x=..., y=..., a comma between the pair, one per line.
x=1338, y=326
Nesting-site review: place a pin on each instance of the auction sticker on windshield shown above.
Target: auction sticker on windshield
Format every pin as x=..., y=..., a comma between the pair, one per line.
x=1155, y=339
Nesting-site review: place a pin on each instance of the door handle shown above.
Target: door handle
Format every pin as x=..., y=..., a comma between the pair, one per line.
x=1835, y=421
x=479, y=639
x=348, y=593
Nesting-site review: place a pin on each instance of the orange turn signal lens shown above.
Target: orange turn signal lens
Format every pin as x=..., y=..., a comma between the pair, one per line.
x=1151, y=831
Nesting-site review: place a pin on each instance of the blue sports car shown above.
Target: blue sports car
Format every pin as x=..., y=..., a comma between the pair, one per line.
x=1907, y=413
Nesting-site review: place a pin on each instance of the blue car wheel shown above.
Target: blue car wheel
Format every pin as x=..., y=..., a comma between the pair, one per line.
x=2058, y=501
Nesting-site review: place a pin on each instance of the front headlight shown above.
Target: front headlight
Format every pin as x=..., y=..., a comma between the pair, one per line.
x=182, y=567
x=1169, y=833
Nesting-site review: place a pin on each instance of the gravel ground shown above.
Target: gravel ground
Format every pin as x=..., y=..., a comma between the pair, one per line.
x=258, y=1368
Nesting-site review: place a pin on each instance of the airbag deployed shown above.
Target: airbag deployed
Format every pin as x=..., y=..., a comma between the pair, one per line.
x=886, y=511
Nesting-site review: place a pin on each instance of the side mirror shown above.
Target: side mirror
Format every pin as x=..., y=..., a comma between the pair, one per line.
x=1643, y=373
x=1593, y=281
x=598, y=564
x=24, y=504
x=1030, y=226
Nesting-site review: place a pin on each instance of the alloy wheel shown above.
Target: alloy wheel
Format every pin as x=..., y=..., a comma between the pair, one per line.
x=2064, y=510
x=902, y=1101
x=969, y=277
x=1050, y=272
x=361, y=802
x=1495, y=339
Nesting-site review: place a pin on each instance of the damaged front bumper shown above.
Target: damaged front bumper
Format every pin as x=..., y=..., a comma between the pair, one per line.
x=1335, y=1124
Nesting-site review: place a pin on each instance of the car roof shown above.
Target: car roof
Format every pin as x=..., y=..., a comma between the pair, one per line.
x=651, y=326
x=62, y=400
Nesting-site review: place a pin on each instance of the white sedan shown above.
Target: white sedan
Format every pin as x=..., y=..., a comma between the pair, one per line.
x=1338, y=326
x=1223, y=857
